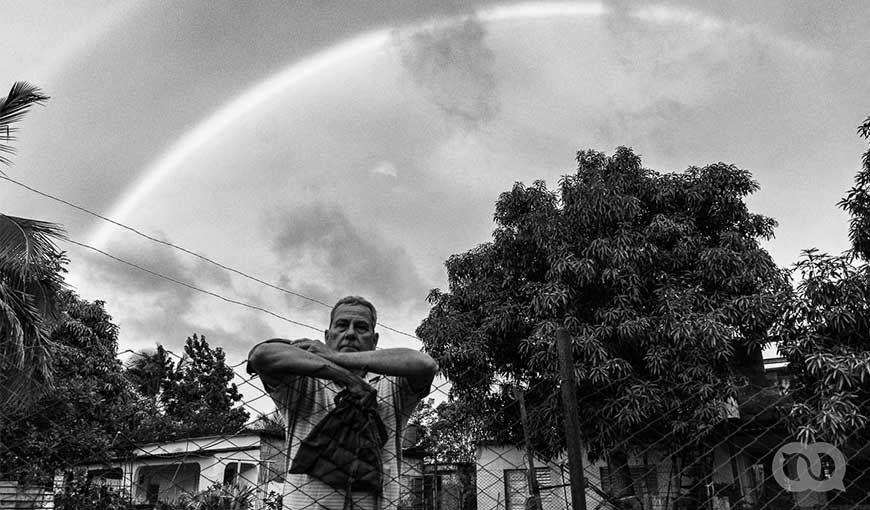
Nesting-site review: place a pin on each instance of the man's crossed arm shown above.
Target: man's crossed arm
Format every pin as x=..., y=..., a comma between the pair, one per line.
x=278, y=359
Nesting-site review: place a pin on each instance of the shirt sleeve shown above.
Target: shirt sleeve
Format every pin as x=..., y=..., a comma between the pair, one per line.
x=250, y=370
x=295, y=392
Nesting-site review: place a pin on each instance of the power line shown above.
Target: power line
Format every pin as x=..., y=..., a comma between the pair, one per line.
x=161, y=241
x=190, y=286
x=180, y=248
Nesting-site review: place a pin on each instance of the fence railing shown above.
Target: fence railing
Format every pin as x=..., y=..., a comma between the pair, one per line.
x=733, y=466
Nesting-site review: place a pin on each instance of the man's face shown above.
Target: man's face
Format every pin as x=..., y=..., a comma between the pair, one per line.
x=351, y=330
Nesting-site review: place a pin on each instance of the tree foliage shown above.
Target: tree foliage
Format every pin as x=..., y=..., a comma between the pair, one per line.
x=219, y=497
x=22, y=96
x=449, y=432
x=90, y=411
x=81, y=493
x=30, y=279
x=826, y=332
x=149, y=371
x=857, y=202
x=98, y=410
x=193, y=397
x=659, y=278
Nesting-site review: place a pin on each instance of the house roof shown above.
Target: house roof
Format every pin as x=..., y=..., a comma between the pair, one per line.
x=203, y=446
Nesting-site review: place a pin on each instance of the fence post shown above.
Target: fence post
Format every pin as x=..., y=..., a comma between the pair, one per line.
x=534, y=503
x=572, y=420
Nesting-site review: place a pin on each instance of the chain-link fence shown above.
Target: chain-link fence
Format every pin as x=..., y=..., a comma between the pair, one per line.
x=260, y=466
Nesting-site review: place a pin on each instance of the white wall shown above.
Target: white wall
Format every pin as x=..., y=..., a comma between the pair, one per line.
x=493, y=461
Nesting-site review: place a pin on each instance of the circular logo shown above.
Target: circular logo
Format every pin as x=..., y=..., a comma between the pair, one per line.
x=807, y=463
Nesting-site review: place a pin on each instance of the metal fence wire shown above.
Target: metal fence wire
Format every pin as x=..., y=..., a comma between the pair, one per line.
x=733, y=467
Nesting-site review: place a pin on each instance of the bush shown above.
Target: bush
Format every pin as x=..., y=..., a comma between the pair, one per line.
x=218, y=497
x=81, y=493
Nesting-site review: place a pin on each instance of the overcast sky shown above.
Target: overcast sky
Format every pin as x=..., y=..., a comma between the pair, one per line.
x=337, y=148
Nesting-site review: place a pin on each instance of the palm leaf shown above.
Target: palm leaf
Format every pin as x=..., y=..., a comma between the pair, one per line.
x=21, y=97
x=25, y=359
x=27, y=245
x=30, y=278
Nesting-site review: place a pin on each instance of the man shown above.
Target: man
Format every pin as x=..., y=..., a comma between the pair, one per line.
x=304, y=376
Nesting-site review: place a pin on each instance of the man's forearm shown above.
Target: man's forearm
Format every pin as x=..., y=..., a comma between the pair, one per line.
x=276, y=361
x=400, y=362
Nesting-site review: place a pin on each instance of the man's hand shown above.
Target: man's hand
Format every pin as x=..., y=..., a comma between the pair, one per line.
x=313, y=346
x=278, y=359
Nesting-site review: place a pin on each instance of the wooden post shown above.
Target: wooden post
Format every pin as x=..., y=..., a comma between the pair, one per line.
x=436, y=498
x=572, y=420
x=535, y=503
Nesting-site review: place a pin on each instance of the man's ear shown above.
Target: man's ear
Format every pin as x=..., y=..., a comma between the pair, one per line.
x=325, y=335
x=375, y=339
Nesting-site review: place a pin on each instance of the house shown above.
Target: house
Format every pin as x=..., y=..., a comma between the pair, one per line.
x=17, y=497
x=440, y=486
x=252, y=458
x=502, y=480
x=162, y=472
x=736, y=472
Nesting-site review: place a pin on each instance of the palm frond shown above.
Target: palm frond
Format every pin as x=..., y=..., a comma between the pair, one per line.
x=27, y=245
x=21, y=97
x=25, y=359
x=12, y=345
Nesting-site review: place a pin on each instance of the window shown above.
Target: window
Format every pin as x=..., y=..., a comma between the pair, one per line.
x=231, y=473
x=413, y=493
x=106, y=474
x=645, y=480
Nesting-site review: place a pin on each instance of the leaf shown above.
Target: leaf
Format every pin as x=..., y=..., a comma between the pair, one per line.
x=27, y=245
x=21, y=97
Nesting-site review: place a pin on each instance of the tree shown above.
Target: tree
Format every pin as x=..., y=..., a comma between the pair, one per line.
x=191, y=397
x=826, y=334
x=857, y=202
x=198, y=394
x=148, y=371
x=30, y=278
x=98, y=410
x=659, y=279
x=91, y=411
x=449, y=432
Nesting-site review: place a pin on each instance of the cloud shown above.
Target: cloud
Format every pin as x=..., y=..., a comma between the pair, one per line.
x=150, y=309
x=138, y=284
x=326, y=255
x=385, y=168
x=453, y=65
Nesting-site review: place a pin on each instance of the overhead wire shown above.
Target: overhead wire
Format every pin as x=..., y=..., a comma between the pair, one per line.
x=179, y=248
x=190, y=286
